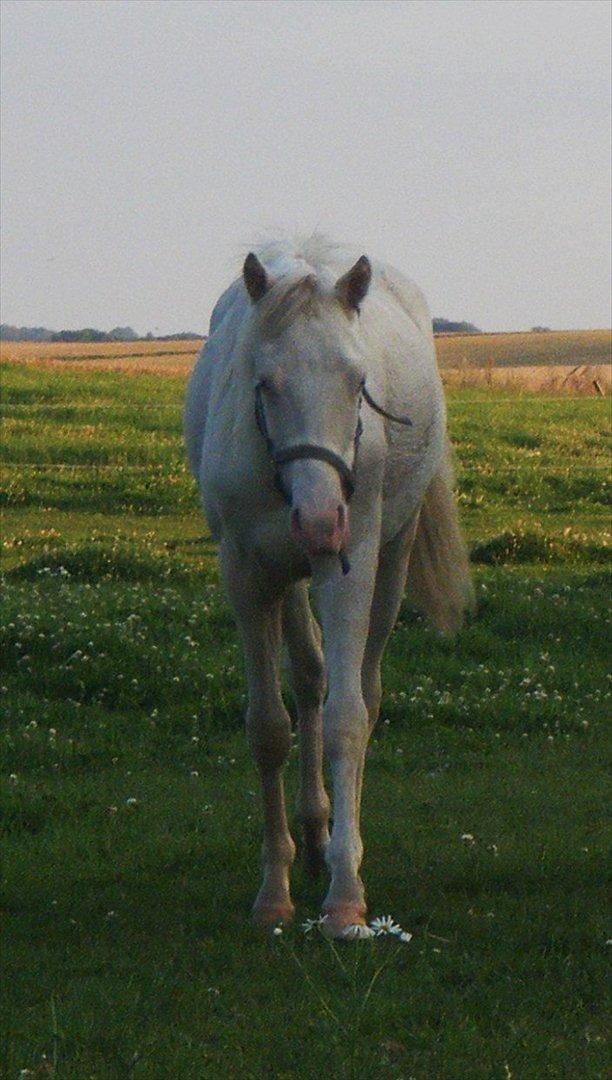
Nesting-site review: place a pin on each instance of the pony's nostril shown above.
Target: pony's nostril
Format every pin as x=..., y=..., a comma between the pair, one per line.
x=320, y=530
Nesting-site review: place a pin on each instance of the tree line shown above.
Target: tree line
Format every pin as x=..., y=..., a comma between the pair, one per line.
x=118, y=333
x=126, y=333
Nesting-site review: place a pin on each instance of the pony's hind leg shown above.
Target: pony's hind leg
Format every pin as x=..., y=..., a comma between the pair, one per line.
x=258, y=614
x=388, y=592
x=307, y=678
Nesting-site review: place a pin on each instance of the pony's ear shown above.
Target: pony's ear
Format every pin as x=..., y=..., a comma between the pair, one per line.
x=352, y=287
x=255, y=277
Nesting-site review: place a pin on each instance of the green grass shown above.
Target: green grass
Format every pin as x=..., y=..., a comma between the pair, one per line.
x=127, y=946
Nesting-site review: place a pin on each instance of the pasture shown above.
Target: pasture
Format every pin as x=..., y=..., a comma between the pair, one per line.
x=130, y=807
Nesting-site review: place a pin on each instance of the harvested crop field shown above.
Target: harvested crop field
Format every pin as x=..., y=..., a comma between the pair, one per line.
x=591, y=380
x=99, y=351
x=571, y=347
x=554, y=362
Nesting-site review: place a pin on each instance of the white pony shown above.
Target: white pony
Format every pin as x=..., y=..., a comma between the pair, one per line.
x=317, y=390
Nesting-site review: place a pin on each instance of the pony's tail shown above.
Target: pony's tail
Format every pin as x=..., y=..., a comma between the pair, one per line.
x=439, y=579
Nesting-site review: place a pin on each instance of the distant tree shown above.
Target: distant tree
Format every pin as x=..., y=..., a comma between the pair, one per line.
x=24, y=333
x=446, y=326
x=540, y=329
x=87, y=334
x=184, y=335
x=122, y=333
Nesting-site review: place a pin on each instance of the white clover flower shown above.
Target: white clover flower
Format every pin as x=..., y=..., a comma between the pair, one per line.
x=277, y=931
x=131, y=801
x=468, y=838
x=385, y=924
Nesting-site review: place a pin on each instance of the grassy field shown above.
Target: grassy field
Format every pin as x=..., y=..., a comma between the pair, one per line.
x=130, y=807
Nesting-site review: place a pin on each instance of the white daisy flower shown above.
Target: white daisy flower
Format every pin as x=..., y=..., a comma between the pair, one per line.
x=385, y=924
x=405, y=936
x=357, y=932
x=314, y=924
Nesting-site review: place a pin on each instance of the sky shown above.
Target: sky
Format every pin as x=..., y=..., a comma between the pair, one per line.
x=147, y=146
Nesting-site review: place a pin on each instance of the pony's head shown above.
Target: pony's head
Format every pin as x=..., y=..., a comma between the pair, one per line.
x=309, y=371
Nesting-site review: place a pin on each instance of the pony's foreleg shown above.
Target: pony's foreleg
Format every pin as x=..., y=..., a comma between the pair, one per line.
x=258, y=615
x=308, y=684
x=344, y=608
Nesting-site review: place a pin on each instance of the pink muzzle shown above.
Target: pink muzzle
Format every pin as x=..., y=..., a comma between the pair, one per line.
x=322, y=532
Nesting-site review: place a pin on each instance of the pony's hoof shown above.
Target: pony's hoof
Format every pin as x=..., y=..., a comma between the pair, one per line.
x=266, y=915
x=345, y=922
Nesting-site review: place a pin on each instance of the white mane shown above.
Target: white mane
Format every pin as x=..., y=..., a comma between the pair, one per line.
x=301, y=255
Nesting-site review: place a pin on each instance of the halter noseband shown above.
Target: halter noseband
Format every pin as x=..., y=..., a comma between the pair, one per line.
x=320, y=453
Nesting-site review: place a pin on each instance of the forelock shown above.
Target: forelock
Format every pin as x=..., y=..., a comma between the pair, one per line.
x=289, y=301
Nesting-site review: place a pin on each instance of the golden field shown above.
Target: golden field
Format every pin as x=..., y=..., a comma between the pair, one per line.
x=22, y=351
x=571, y=347
x=559, y=361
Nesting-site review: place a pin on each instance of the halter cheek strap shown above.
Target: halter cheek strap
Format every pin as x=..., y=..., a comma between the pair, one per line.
x=405, y=420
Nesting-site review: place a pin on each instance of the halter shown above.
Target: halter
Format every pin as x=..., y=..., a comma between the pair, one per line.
x=300, y=451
